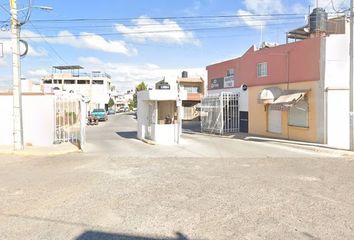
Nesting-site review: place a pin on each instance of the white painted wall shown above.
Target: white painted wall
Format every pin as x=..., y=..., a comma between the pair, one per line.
x=337, y=87
x=160, y=133
x=243, y=96
x=165, y=133
x=337, y=61
x=338, y=119
x=38, y=120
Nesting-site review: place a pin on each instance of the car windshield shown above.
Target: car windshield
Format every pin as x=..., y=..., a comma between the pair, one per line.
x=98, y=110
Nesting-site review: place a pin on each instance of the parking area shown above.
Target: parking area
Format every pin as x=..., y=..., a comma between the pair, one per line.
x=206, y=188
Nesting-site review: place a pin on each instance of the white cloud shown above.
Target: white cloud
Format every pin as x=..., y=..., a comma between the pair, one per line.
x=84, y=40
x=126, y=76
x=166, y=31
x=36, y=52
x=32, y=51
x=298, y=8
x=259, y=7
x=339, y=5
x=251, y=21
x=264, y=6
x=37, y=72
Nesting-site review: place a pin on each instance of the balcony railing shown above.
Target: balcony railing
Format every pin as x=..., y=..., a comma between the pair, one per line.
x=78, y=75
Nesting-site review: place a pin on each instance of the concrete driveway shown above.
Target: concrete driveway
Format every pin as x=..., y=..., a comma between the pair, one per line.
x=206, y=188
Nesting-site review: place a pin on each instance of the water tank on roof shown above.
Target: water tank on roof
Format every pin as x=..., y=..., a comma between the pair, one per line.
x=318, y=20
x=184, y=74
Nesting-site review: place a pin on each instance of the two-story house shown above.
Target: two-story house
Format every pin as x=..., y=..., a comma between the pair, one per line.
x=95, y=86
x=195, y=92
x=298, y=90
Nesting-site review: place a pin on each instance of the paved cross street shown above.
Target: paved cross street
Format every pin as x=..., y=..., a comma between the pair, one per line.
x=205, y=188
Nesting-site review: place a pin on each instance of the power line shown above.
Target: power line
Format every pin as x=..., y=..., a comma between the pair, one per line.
x=48, y=44
x=147, y=32
x=167, y=18
x=164, y=24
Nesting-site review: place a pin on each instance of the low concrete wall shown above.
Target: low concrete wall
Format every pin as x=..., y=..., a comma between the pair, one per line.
x=38, y=119
x=165, y=133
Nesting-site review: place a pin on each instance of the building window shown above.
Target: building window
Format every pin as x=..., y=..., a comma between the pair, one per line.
x=299, y=114
x=69, y=81
x=83, y=81
x=97, y=82
x=191, y=89
x=230, y=72
x=262, y=69
x=57, y=81
x=47, y=81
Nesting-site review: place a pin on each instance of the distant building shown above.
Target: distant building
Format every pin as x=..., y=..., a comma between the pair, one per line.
x=94, y=86
x=195, y=92
x=121, y=99
x=28, y=86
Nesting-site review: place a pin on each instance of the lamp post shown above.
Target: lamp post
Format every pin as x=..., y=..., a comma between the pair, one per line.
x=16, y=70
x=351, y=80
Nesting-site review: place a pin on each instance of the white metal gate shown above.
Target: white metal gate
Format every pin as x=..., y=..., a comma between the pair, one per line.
x=69, y=122
x=220, y=113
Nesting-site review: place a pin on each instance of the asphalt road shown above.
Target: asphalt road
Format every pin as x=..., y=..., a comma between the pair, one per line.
x=206, y=188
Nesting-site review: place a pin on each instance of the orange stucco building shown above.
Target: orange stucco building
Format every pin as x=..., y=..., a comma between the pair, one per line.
x=298, y=90
x=288, y=69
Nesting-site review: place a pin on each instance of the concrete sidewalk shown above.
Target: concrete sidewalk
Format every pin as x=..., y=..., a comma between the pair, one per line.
x=315, y=147
x=55, y=149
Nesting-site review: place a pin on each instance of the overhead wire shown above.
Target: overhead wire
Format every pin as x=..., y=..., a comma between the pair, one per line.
x=166, y=17
x=146, y=32
x=224, y=22
x=48, y=44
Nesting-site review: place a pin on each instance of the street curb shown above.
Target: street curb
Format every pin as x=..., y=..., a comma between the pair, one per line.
x=302, y=146
x=47, y=151
x=148, y=141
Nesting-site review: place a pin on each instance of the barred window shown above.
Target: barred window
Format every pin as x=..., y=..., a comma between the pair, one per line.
x=299, y=114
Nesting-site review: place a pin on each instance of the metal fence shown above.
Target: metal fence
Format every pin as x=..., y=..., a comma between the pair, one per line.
x=220, y=114
x=69, y=125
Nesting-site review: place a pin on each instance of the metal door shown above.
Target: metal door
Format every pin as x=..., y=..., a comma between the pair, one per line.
x=243, y=122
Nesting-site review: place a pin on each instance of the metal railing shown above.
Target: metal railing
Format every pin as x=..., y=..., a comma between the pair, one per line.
x=220, y=113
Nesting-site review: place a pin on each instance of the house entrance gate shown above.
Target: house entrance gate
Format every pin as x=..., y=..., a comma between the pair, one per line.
x=220, y=113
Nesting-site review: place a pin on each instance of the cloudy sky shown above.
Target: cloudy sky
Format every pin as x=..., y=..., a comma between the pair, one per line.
x=145, y=40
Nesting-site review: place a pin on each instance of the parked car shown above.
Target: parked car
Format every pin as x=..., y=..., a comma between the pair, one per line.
x=100, y=114
x=111, y=111
x=120, y=109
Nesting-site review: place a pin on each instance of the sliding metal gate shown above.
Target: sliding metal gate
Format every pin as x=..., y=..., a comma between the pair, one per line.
x=220, y=114
x=68, y=121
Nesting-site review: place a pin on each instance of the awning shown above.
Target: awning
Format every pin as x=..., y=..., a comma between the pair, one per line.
x=268, y=95
x=284, y=102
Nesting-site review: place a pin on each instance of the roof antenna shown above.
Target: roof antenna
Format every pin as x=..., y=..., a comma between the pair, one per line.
x=260, y=45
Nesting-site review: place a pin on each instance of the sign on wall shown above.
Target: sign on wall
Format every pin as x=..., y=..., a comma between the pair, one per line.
x=229, y=82
x=217, y=83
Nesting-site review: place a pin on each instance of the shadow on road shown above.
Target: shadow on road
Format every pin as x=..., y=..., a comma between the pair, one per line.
x=93, y=235
x=128, y=134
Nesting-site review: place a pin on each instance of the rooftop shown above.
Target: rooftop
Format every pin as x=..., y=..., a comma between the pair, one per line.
x=68, y=67
x=188, y=80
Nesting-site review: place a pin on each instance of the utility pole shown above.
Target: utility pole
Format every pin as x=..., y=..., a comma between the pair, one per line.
x=351, y=75
x=16, y=72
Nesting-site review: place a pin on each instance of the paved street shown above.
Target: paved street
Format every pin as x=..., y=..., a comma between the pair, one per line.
x=205, y=188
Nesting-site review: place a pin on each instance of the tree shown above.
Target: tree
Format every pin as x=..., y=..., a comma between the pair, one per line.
x=140, y=87
x=110, y=103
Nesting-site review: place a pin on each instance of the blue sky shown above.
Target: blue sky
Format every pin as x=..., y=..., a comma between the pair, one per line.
x=147, y=39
